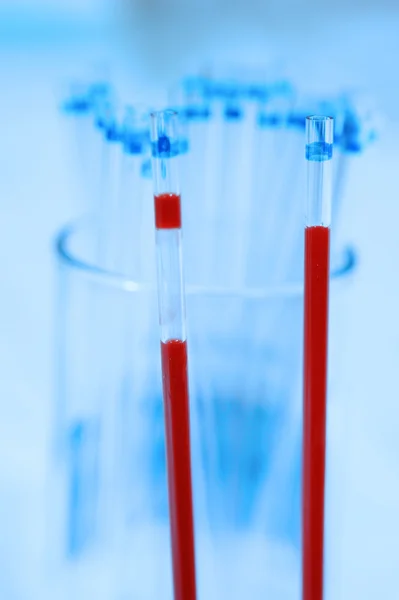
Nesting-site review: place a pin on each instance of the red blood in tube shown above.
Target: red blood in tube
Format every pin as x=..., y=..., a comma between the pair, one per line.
x=167, y=211
x=317, y=242
x=176, y=405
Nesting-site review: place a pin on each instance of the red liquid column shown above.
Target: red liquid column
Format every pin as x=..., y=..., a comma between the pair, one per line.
x=317, y=248
x=165, y=151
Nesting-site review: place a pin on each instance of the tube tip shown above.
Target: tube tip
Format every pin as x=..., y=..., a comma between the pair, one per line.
x=319, y=138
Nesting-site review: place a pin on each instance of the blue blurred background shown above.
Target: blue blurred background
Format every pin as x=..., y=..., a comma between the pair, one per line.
x=145, y=45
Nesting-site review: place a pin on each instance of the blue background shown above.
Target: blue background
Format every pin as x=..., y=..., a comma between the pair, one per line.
x=41, y=45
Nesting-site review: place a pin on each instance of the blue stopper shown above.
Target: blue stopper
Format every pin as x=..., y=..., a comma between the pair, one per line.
x=135, y=142
x=258, y=92
x=104, y=121
x=112, y=134
x=233, y=113
x=319, y=151
x=351, y=137
x=146, y=169
x=194, y=113
x=133, y=146
x=183, y=146
x=100, y=123
x=163, y=144
x=297, y=120
x=270, y=120
x=99, y=89
x=165, y=148
x=77, y=105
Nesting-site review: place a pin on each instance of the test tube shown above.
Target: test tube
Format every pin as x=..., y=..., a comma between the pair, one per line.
x=273, y=143
x=237, y=186
x=133, y=212
x=165, y=144
x=290, y=185
x=102, y=97
x=77, y=107
x=354, y=130
x=229, y=165
x=319, y=149
x=195, y=114
x=109, y=185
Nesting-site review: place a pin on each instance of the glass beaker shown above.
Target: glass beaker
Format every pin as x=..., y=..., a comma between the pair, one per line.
x=110, y=510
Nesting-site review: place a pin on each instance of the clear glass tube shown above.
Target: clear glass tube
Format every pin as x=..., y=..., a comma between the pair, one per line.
x=275, y=146
x=165, y=157
x=319, y=151
x=165, y=152
x=134, y=213
x=108, y=124
x=77, y=111
x=225, y=252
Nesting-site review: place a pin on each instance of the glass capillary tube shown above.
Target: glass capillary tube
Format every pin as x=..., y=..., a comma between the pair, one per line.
x=287, y=265
x=165, y=152
x=78, y=108
x=319, y=149
x=194, y=208
x=227, y=203
x=136, y=260
x=243, y=191
x=342, y=159
x=132, y=204
x=211, y=161
x=273, y=146
x=165, y=143
x=227, y=225
x=109, y=185
x=86, y=519
x=114, y=332
x=100, y=95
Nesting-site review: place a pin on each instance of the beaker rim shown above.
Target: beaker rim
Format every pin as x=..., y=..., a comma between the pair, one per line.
x=346, y=264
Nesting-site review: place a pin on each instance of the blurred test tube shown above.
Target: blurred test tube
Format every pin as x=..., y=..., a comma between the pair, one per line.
x=227, y=162
x=80, y=105
x=273, y=140
x=134, y=209
x=356, y=126
x=109, y=124
x=288, y=263
x=189, y=101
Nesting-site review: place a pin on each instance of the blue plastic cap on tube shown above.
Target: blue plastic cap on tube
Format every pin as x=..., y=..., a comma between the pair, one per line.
x=165, y=141
x=319, y=138
x=319, y=151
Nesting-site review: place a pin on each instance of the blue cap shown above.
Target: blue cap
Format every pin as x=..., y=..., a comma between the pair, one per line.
x=164, y=147
x=319, y=151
